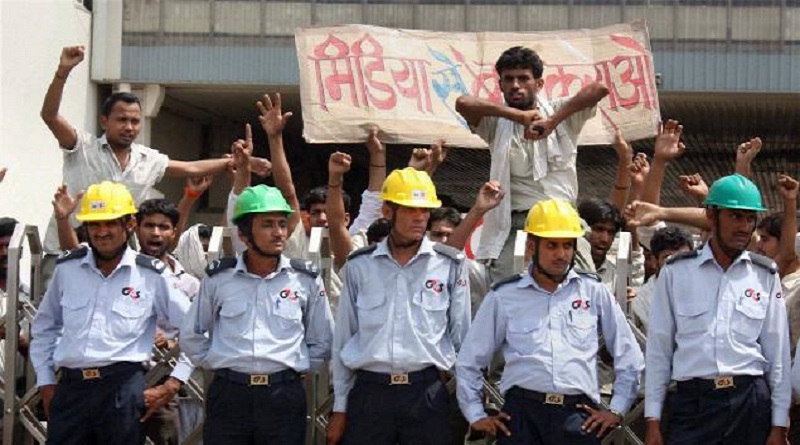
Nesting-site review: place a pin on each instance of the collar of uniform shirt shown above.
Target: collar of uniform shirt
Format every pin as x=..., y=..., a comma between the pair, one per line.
x=128, y=259
x=241, y=267
x=527, y=280
x=425, y=248
x=707, y=255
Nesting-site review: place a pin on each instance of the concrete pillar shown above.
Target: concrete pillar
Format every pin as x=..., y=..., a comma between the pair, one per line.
x=151, y=97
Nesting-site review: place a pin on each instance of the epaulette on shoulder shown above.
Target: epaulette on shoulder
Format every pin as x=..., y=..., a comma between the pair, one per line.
x=764, y=262
x=448, y=251
x=80, y=252
x=588, y=274
x=362, y=251
x=218, y=266
x=683, y=256
x=306, y=267
x=149, y=262
x=506, y=280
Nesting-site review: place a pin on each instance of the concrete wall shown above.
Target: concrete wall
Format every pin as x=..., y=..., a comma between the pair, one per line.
x=31, y=37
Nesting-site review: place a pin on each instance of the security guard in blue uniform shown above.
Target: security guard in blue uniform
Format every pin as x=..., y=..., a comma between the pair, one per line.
x=547, y=323
x=95, y=327
x=258, y=322
x=718, y=327
x=403, y=313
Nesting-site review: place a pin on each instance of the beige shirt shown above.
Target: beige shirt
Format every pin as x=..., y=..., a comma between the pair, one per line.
x=531, y=170
x=790, y=285
x=92, y=161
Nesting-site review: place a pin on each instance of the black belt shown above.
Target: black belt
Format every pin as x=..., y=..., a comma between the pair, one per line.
x=718, y=383
x=99, y=373
x=548, y=398
x=400, y=378
x=287, y=375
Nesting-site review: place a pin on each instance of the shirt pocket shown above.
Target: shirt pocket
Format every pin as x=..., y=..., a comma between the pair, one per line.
x=430, y=314
x=371, y=309
x=74, y=311
x=233, y=322
x=581, y=326
x=288, y=316
x=691, y=318
x=560, y=150
x=131, y=315
x=747, y=319
x=525, y=332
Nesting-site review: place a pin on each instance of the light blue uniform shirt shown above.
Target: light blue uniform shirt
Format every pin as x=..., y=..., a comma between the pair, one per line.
x=88, y=320
x=707, y=322
x=256, y=325
x=549, y=341
x=395, y=318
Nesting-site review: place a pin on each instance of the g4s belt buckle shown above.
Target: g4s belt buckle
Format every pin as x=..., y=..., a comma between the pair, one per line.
x=553, y=399
x=259, y=380
x=723, y=382
x=399, y=379
x=90, y=373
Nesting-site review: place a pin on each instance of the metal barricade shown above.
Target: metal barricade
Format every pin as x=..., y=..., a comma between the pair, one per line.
x=21, y=409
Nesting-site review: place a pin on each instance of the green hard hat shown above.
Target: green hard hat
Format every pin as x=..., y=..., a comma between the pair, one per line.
x=260, y=199
x=735, y=192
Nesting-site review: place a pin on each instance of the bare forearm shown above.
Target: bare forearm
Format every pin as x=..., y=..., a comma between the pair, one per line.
x=622, y=184
x=184, y=209
x=52, y=99
x=474, y=109
x=183, y=169
x=788, y=231
x=743, y=167
x=587, y=97
x=652, y=188
x=691, y=216
x=282, y=175
x=460, y=235
x=67, y=238
x=377, y=171
x=241, y=180
x=341, y=243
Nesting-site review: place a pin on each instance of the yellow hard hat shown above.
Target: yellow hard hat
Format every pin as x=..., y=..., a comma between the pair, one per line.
x=410, y=187
x=106, y=201
x=554, y=218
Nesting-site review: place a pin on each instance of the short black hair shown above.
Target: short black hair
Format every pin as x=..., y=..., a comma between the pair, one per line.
x=596, y=210
x=319, y=195
x=771, y=224
x=162, y=206
x=109, y=103
x=7, y=226
x=520, y=57
x=448, y=214
x=378, y=230
x=204, y=231
x=669, y=238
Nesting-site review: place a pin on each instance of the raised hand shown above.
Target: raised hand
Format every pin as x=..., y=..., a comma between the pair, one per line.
x=63, y=203
x=339, y=164
x=668, y=145
x=272, y=119
x=489, y=196
x=374, y=146
x=71, y=56
x=622, y=147
x=788, y=187
x=640, y=213
x=694, y=186
x=639, y=168
x=199, y=184
x=748, y=150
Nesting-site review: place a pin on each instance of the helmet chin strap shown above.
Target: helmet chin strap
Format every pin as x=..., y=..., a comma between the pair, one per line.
x=119, y=252
x=253, y=246
x=538, y=266
x=733, y=253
